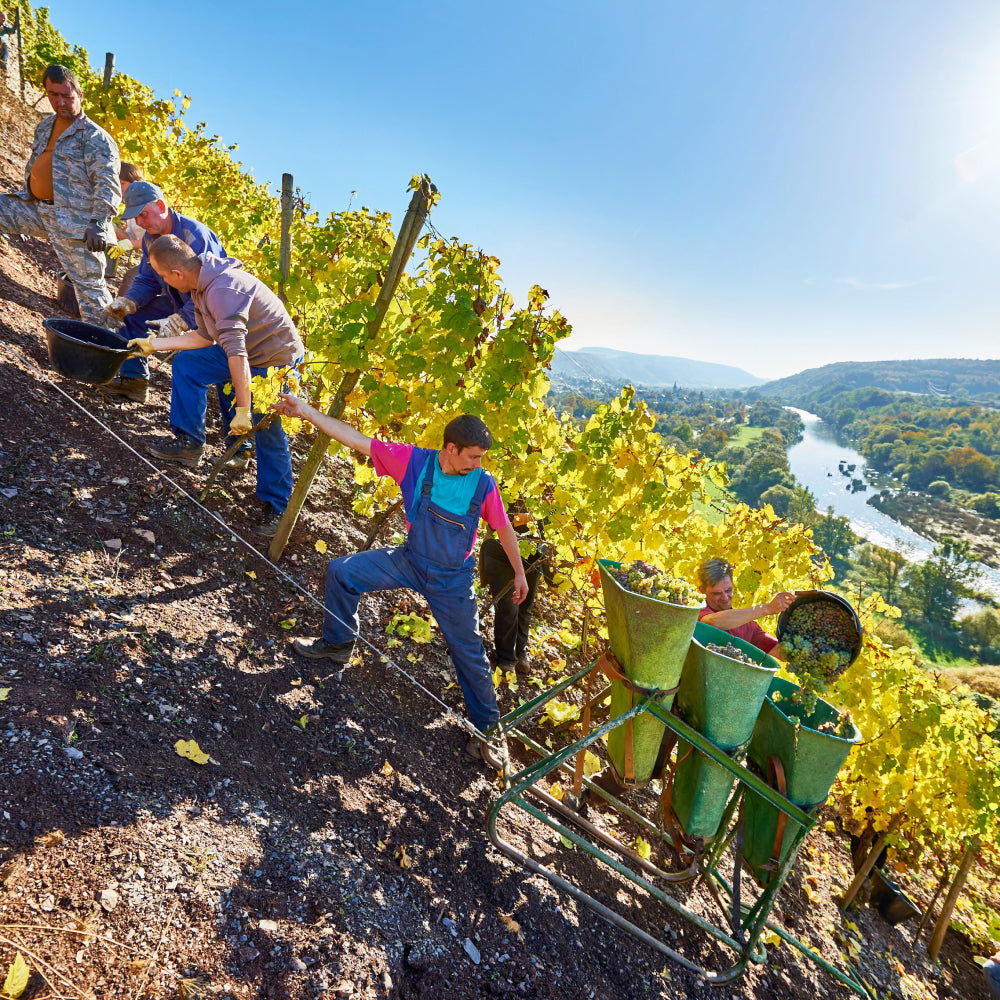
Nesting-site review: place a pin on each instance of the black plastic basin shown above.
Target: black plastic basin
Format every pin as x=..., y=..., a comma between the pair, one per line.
x=85, y=352
x=893, y=905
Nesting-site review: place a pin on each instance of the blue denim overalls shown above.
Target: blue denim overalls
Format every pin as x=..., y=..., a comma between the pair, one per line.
x=433, y=562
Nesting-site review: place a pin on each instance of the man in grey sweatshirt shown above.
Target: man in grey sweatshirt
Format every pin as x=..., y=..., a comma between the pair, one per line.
x=242, y=329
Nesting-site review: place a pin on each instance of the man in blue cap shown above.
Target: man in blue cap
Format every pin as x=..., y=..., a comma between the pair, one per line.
x=150, y=301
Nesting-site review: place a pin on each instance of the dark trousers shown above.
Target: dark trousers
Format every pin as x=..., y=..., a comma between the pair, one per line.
x=511, y=622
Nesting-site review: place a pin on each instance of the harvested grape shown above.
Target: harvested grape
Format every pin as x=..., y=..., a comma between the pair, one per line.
x=641, y=578
x=817, y=643
x=733, y=652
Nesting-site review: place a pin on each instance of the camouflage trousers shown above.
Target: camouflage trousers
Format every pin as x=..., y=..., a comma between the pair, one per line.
x=83, y=267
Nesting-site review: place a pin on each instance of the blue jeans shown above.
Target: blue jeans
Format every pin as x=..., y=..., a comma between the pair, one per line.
x=452, y=601
x=991, y=970
x=135, y=326
x=194, y=372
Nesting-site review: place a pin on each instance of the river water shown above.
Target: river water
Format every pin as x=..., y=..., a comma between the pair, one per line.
x=815, y=463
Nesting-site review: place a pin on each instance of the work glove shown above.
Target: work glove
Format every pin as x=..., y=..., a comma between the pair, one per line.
x=142, y=344
x=113, y=315
x=172, y=326
x=241, y=424
x=93, y=235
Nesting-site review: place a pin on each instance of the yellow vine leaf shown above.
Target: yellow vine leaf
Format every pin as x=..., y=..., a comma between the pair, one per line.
x=287, y=623
x=643, y=848
x=251, y=574
x=556, y=791
x=17, y=978
x=561, y=711
x=387, y=769
x=320, y=546
x=191, y=750
x=772, y=938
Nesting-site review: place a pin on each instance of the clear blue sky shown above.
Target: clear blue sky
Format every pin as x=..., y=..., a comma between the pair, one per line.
x=771, y=185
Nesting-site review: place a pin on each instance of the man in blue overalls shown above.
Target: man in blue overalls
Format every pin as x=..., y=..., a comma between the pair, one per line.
x=444, y=494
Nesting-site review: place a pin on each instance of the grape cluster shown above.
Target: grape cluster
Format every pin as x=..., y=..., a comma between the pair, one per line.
x=801, y=704
x=843, y=727
x=818, y=640
x=641, y=578
x=733, y=652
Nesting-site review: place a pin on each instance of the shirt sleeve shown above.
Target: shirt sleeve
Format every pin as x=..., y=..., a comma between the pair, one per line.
x=760, y=638
x=391, y=458
x=493, y=511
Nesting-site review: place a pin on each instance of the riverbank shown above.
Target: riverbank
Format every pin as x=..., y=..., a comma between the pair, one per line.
x=934, y=517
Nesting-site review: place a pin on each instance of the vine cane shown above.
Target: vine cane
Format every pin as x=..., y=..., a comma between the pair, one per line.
x=228, y=454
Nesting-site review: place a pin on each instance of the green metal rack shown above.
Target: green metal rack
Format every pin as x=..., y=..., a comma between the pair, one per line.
x=746, y=923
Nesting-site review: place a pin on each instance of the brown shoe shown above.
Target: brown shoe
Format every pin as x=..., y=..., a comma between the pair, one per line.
x=522, y=668
x=134, y=389
x=480, y=749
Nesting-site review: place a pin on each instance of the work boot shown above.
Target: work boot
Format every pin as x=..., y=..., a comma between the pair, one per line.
x=320, y=649
x=523, y=667
x=122, y=386
x=483, y=750
x=182, y=450
x=269, y=526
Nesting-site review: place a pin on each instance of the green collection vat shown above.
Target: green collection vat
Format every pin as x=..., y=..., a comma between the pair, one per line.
x=721, y=698
x=650, y=640
x=811, y=762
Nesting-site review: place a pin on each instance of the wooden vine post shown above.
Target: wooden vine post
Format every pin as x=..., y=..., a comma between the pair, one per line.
x=20, y=50
x=409, y=233
x=285, y=250
x=948, y=907
x=109, y=69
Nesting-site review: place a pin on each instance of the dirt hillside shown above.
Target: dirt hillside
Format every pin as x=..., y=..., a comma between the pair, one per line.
x=335, y=843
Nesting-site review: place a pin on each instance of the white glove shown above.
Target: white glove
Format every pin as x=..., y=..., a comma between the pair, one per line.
x=172, y=326
x=113, y=314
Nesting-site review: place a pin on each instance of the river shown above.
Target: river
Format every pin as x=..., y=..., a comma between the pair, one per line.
x=815, y=463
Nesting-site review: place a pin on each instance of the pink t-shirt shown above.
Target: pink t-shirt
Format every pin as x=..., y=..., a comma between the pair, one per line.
x=453, y=493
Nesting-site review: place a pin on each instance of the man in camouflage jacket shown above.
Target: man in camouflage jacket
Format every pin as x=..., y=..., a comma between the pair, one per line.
x=71, y=191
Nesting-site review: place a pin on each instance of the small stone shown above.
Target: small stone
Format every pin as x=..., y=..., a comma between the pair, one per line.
x=123, y=481
x=146, y=536
x=268, y=925
x=472, y=951
x=48, y=904
x=73, y=753
x=28, y=638
x=247, y=952
x=296, y=964
x=113, y=543
x=108, y=899
x=345, y=989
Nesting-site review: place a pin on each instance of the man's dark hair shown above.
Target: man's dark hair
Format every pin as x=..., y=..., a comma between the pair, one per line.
x=60, y=74
x=468, y=431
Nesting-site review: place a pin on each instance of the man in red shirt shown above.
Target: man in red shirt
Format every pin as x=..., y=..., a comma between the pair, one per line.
x=715, y=581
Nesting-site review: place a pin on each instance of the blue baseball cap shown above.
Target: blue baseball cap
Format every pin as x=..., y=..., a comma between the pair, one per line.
x=138, y=196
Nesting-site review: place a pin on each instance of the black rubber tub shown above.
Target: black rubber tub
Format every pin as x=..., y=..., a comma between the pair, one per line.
x=808, y=597
x=85, y=352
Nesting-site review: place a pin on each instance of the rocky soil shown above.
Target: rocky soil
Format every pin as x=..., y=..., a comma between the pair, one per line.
x=334, y=843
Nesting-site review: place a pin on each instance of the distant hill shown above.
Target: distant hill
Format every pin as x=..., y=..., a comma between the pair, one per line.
x=935, y=377
x=615, y=368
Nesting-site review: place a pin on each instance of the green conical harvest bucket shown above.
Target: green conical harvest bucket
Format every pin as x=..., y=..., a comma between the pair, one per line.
x=650, y=639
x=721, y=698
x=811, y=761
